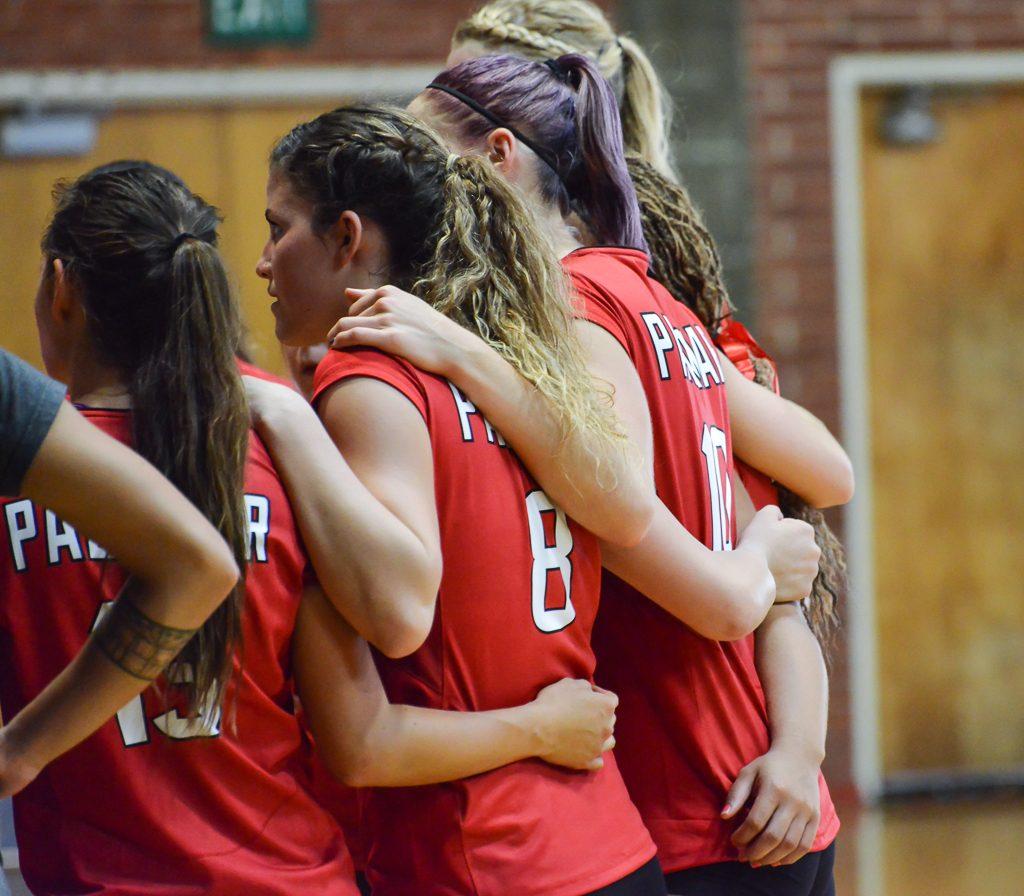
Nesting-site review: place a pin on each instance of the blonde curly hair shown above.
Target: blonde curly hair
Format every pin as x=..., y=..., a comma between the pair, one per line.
x=461, y=239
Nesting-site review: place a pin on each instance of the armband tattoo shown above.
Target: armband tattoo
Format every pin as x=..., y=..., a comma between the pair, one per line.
x=135, y=643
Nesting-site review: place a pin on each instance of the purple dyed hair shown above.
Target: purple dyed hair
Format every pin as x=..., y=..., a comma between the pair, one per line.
x=568, y=108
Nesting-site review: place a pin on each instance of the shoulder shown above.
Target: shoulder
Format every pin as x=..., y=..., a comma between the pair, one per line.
x=22, y=385
x=370, y=363
x=600, y=289
x=248, y=369
x=29, y=403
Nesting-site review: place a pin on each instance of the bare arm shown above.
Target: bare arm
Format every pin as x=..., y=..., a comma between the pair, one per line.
x=372, y=537
x=181, y=569
x=619, y=513
x=782, y=822
x=786, y=442
x=610, y=494
x=367, y=741
x=720, y=595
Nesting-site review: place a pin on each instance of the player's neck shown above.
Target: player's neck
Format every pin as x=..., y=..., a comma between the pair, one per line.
x=562, y=234
x=96, y=385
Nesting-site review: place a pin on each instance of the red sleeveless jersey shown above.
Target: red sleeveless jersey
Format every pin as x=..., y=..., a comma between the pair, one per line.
x=692, y=710
x=516, y=606
x=154, y=801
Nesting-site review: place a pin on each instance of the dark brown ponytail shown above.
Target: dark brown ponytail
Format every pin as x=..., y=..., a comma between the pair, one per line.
x=141, y=248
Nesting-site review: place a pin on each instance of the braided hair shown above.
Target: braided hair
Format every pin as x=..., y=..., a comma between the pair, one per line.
x=543, y=29
x=683, y=253
x=460, y=238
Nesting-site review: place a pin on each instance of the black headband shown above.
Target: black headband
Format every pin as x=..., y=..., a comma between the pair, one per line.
x=544, y=154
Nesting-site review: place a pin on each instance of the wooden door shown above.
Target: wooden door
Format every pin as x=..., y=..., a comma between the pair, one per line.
x=944, y=236
x=220, y=153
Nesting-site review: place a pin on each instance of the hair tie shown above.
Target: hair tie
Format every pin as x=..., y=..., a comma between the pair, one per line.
x=557, y=70
x=180, y=238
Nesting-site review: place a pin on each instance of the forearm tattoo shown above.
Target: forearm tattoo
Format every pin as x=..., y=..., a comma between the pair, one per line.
x=135, y=643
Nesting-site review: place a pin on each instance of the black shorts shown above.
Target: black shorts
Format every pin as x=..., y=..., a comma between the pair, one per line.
x=811, y=876
x=647, y=880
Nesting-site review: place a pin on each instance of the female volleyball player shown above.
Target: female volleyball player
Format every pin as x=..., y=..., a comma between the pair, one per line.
x=182, y=570
x=179, y=795
x=478, y=98
x=684, y=258
x=360, y=196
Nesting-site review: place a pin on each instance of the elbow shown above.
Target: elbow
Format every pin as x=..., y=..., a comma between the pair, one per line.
x=631, y=522
x=396, y=616
x=739, y=619
x=404, y=632
x=354, y=772
x=215, y=568
x=352, y=766
x=743, y=605
x=841, y=484
x=846, y=482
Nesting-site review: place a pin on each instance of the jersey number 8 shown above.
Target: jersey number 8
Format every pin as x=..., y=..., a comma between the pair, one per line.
x=548, y=558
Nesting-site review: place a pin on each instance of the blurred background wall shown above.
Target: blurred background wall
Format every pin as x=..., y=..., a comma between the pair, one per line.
x=924, y=370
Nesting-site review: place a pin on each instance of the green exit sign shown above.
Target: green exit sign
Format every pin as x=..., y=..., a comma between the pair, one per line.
x=260, y=21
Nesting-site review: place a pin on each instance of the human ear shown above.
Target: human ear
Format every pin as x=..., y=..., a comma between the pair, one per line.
x=348, y=237
x=64, y=302
x=503, y=151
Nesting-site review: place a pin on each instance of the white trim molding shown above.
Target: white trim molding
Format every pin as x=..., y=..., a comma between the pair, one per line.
x=848, y=76
x=133, y=88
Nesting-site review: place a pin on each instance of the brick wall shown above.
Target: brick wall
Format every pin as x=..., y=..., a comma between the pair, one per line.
x=789, y=45
x=113, y=33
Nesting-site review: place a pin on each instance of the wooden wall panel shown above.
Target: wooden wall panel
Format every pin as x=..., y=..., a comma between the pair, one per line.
x=944, y=231
x=220, y=153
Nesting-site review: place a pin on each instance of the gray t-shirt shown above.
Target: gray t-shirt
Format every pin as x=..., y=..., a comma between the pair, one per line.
x=29, y=403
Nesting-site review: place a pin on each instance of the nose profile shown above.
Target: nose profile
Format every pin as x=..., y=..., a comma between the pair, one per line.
x=263, y=267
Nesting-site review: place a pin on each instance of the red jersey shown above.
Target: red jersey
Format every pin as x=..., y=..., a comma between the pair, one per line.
x=741, y=348
x=155, y=801
x=692, y=711
x=515, y=609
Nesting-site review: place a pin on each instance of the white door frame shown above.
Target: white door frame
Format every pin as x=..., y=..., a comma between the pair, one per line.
x=848, y=75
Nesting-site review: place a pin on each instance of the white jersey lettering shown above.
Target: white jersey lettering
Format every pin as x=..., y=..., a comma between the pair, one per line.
x=21, y=527
x=60, y=536
x=661, y=340
x=257, y=514
x=466, y=409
